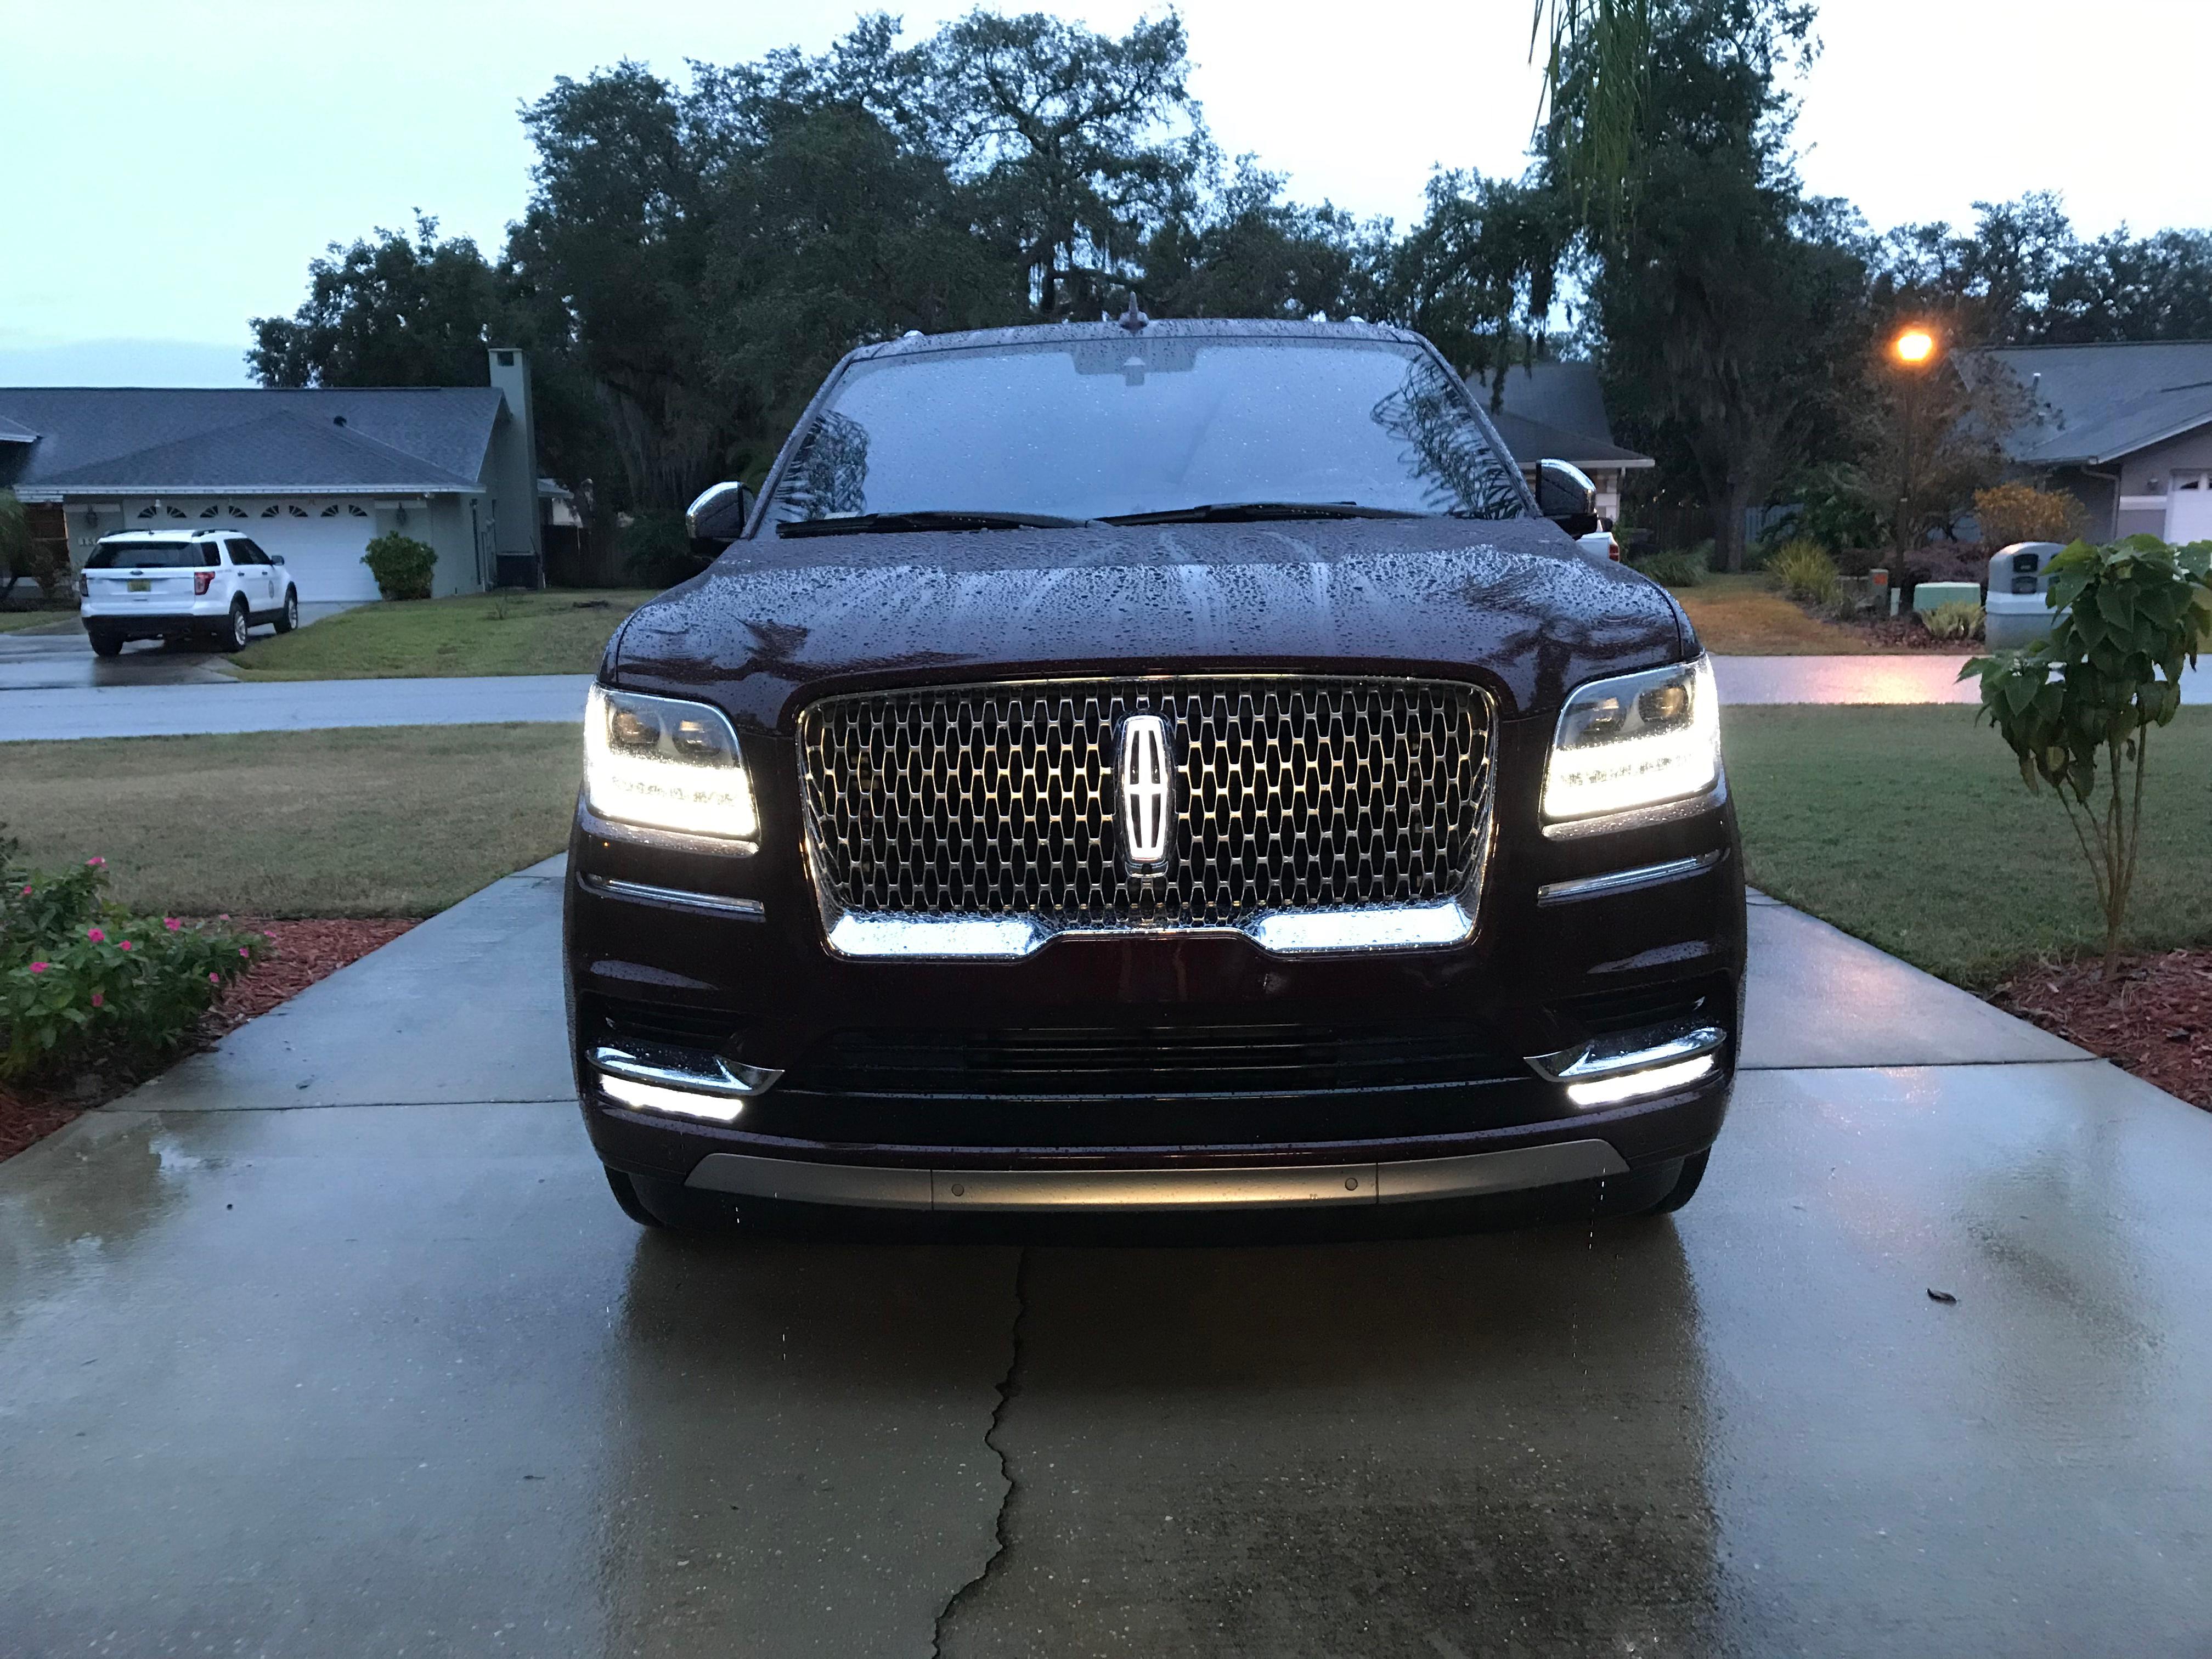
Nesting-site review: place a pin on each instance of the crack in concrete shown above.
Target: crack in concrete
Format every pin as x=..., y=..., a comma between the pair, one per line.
x=1009, y=1386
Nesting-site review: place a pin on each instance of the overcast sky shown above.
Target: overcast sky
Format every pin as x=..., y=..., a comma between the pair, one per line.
x=151, y=213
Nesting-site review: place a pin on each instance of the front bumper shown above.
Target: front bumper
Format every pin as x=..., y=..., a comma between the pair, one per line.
x=677, y=944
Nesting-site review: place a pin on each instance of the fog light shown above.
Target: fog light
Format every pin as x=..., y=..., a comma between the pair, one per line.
x=672, y=1103
x=1634, y=1085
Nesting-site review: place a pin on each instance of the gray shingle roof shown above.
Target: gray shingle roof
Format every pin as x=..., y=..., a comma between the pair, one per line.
x=1533, y=440
x=1565, y=397
x=2098, y=402
x=137, y=438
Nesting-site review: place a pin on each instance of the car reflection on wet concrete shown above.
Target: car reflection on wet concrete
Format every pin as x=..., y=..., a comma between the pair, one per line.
x=40, y=662
x=356, y=1378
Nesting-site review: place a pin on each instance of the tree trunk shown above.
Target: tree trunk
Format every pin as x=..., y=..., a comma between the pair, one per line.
x=1728, y=527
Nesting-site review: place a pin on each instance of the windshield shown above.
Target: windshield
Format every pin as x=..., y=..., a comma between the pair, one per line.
x=151, y=555
x=1099, y=428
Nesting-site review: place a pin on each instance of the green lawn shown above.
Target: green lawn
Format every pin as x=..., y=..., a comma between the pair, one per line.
x=560, y=632
x=396, y=821
x=1911, y=828
x=14, y=622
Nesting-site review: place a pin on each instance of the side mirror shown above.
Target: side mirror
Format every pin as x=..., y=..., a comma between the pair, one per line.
x=276, y=558
x=717, y=518
x=1566, y=495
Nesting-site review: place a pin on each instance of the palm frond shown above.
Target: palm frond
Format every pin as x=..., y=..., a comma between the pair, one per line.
x=1594, y=54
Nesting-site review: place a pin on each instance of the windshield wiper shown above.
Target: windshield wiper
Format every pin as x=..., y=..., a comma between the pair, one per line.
x=862, y=524
x=1251, y=511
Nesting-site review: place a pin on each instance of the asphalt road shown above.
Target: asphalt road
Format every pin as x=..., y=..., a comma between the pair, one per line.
x=333, y=1343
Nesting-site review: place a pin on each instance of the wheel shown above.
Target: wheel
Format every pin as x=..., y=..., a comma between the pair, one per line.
x=105, y=644
x=625, y=1191
x=288, y=618
x=235, y=630
x=660, y=1202
x=1684, y=1186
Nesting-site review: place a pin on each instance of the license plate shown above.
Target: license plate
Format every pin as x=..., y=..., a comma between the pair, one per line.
x=141, y=585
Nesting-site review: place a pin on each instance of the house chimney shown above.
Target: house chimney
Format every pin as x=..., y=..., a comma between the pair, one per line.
x=515, y=474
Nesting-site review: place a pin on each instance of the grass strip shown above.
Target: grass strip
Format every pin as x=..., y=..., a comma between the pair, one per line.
x=1910, y=829
x=382, y=820
x=562, y=631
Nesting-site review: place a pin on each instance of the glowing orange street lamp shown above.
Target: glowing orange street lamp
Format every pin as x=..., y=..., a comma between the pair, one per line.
x=1915, y=346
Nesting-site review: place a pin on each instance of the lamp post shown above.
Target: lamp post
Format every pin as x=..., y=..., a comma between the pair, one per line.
x=1915, y=349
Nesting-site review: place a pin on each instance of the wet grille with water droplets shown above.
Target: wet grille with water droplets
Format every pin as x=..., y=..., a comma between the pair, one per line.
x=1290, y=794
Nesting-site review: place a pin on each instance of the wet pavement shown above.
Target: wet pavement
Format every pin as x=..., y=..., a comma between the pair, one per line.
x=177, y=693
x=332, y=1342
x=151, y=711
x=59, y=656
x=1918, y=677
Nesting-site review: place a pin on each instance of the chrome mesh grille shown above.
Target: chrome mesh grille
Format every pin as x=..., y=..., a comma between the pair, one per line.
x=1290, y=793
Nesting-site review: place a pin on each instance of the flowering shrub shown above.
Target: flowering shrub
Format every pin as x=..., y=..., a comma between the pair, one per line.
x=82, y=980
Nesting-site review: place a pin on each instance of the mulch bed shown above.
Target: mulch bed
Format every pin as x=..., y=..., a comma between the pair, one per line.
x=304, y=953
x=2155, y=1023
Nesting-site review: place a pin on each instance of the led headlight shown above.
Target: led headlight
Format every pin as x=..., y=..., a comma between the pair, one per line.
x=1634, y=741
x=668, y=765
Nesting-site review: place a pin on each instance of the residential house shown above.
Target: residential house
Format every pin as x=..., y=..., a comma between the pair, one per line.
x=1556, y=412
x=2126, y=428
x=312, y=475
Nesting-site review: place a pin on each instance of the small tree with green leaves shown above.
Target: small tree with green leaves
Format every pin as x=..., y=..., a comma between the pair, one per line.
x=2136, y=613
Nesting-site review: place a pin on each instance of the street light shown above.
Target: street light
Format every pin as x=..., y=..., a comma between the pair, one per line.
x=1915, y=346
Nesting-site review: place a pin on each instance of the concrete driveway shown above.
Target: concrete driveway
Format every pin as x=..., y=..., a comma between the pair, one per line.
x=60, y=657
x=331, y=1342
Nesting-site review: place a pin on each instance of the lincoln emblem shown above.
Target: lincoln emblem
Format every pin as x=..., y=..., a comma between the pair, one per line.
x=1147, y=782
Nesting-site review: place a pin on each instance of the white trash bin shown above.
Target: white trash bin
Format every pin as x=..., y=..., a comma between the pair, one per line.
x=2015, y=614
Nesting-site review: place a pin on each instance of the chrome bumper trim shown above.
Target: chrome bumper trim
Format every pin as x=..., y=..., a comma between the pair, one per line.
x=1280, y=932
x=1630, y=1051
x=1243, y=1188
x=681, y=898
x=670, y=1069
x=1626, y=881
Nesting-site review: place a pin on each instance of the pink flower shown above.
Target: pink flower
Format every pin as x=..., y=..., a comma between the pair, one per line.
x=223, y=916
x=126, y=944
x=243, y=951
x=95, y=936
x=215, y=979
x=41, y=967
x=98, y=1001
x=94, y=863
x=27, y=890
x=171, y=923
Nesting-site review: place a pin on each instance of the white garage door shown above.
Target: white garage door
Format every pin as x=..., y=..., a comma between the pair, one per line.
x=322, y=542
x=2189, y=508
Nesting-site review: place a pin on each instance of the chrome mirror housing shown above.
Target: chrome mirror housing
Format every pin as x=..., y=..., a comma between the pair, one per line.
x=716, y=517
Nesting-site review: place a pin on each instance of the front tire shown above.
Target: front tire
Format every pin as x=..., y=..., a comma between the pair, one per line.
x=624, y=1188
x=1686, y=1185
x=237, y=628
x=288, y=618
x=105, y=644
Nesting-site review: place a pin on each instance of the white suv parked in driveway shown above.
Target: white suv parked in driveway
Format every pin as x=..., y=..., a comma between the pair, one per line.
x=172, y=585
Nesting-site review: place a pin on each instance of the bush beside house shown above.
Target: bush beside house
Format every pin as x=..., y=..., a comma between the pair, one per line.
x=401, y=565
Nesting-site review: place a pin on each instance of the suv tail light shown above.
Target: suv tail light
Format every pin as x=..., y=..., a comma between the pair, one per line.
x=202, y=581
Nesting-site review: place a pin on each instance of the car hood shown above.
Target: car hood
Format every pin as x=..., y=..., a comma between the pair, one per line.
x=776, y=621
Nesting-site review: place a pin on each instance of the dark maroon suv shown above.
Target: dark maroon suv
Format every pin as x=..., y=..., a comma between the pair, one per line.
x=1151, y=767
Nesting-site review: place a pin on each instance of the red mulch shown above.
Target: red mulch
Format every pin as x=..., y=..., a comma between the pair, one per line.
x=2155, y=1023
x=304, y=953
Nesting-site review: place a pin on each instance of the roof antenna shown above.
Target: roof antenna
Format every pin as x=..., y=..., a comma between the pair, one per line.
x=1133, y=319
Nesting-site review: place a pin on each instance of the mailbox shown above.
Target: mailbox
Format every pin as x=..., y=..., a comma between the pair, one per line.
x=2020, y=575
